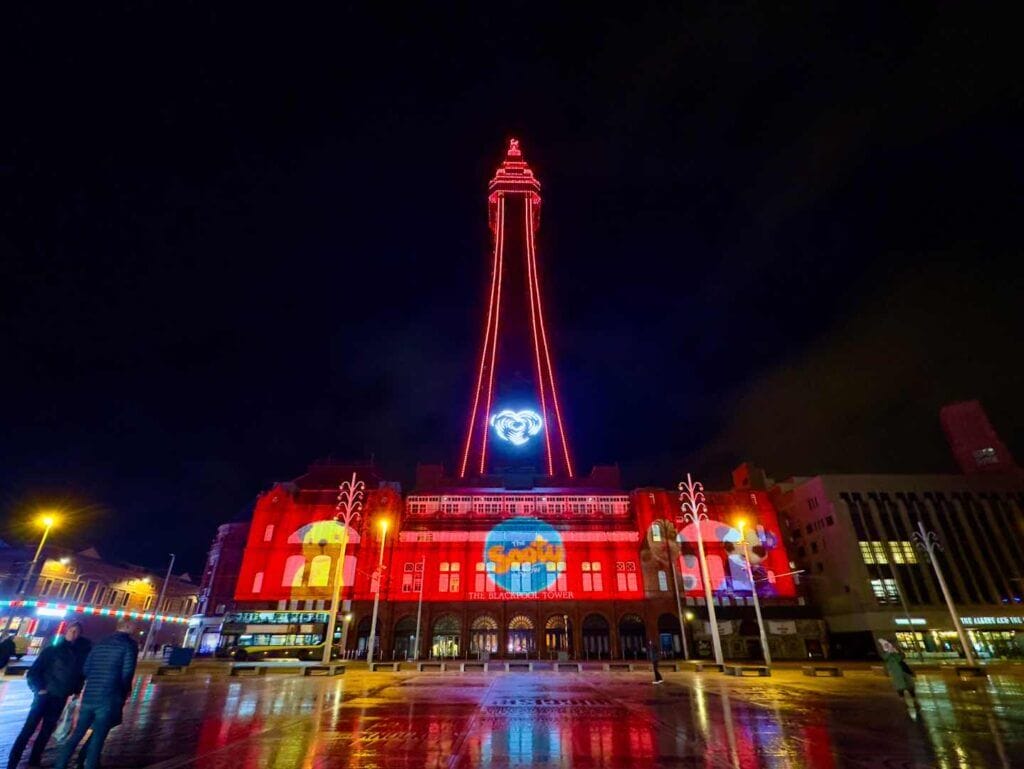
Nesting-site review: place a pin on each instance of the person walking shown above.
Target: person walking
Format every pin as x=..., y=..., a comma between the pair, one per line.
x=899, y=671
x=109, y=671
x=654, y=656
x=8, y=649
x=56, y=675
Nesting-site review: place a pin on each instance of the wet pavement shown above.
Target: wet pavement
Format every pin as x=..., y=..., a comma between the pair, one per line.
x=547, y=719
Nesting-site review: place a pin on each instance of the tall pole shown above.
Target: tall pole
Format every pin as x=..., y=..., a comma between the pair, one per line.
x=675, y=587
x=156, y=608
x=419, y=608
x=350, y=495
x=47, y=522
x=692, y=497
x=376, y=597
x=757, y=603
x=927, y=541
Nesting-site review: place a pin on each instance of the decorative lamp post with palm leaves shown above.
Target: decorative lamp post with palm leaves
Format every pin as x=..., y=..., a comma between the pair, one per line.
x=349, y=509
x=694, y=510
x=927, y=542
x=669, y=530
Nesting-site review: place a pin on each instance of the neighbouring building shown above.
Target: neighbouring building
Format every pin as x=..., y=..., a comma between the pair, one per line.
x=514, y=552
x=217, y=587
x=974, y=442
x=854, y=535
x=67, y=585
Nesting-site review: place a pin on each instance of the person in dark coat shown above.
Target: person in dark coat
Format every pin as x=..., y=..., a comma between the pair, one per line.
x=109, y=671
x=654, y=656
x=56, y=675
x=7, y=649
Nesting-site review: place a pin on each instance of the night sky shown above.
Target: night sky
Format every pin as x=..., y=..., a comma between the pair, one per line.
x=234, y=241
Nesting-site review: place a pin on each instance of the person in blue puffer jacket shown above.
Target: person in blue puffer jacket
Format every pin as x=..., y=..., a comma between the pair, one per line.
x=109, y=671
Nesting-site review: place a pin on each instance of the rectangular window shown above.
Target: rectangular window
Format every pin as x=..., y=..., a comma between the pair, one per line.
x=656, y=532
x=662, y=581
x=885, y=590
x=268, y=533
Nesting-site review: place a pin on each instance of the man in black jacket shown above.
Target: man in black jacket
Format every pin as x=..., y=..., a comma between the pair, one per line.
x=56, y=675
x=109, y=670
x=8, y=649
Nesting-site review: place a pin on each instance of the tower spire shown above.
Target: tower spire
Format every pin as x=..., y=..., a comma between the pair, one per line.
x=516, y=416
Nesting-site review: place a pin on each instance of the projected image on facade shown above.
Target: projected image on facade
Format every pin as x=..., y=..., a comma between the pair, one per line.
x=524, y=555
x=516, y=427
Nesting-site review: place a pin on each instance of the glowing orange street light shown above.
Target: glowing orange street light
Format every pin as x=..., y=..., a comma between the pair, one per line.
x=741, y=524
x=47, y=521
x=380, y=586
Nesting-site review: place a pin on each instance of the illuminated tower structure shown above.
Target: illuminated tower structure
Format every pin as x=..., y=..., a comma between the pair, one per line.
x=515, y=420
x=511, y=551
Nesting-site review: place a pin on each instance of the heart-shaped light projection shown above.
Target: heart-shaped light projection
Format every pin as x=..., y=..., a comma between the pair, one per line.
x=516, y=427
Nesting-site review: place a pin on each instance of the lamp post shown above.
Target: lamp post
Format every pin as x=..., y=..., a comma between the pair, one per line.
x=346, y=621
x=376, y=597
x=419, y=607
x=675, y=588
x=692, y=498
x=159, y=601
x=349, y=507
x=47, y=522
x=926, y=541
x=753, y=592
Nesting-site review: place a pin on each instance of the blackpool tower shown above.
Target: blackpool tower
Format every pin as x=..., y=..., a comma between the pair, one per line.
x=516, y=419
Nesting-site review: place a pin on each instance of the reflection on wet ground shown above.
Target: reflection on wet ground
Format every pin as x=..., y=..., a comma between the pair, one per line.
x=550, y=719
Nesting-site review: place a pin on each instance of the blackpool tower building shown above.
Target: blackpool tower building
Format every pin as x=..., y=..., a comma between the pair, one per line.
x=510, y=551
x=516, y=420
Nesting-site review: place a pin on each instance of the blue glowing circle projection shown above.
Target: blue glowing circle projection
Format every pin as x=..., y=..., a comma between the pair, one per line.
x=525, y=553
x=516, y=427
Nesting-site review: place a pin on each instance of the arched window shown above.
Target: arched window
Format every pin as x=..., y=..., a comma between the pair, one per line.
x=257, y=585
x=293, y=571
x=320, y=571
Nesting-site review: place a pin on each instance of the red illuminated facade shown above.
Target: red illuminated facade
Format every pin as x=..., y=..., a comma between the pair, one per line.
x=515, y=553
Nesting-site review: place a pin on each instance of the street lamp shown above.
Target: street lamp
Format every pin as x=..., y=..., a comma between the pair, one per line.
x=675, y=587
x=926, y=541
x=380, y=587
x=346, y=621
x=753, y=592
x=692, y=497
x=349, y=507
x=47, y=522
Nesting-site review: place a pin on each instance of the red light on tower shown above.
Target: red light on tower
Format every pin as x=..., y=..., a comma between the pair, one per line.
x=515, y=400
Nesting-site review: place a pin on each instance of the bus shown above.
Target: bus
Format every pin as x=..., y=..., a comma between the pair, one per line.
x=254, y=635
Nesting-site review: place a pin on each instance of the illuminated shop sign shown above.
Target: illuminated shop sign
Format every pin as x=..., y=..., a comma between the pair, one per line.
x=992, y=620
x=516, y=427
x=910, y=621
x=527, y=555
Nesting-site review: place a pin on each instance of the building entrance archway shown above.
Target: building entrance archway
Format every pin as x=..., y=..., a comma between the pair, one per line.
x=445, y=641
x=558, y=635
x=596, y=637
x=363, y=637
x=483, y=638
x=405, y=638
x=670, y=642
x=521, y=636
x=632, y=637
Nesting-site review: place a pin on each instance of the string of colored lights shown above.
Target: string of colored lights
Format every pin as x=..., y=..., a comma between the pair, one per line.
x=531, y=249
x=99, y=611
x=528, y=226
x=495, y=278
x=497, y=323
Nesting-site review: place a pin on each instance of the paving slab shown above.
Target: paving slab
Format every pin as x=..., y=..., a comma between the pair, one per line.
x=547, y=719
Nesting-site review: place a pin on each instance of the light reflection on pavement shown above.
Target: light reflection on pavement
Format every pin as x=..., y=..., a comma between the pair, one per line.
x=546, y=719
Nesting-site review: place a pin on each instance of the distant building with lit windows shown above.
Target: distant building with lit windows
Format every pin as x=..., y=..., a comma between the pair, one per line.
x=68, y=585
x=853, y=535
